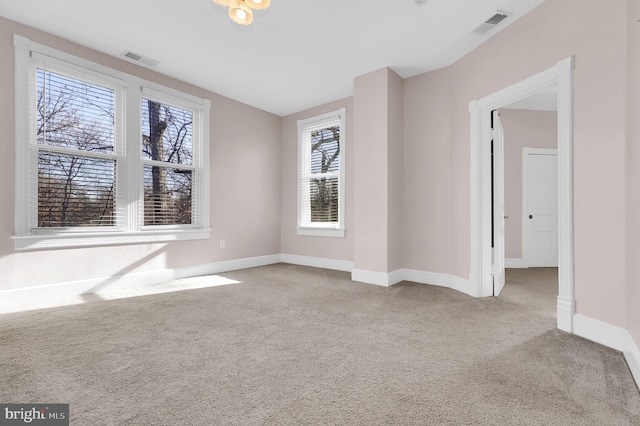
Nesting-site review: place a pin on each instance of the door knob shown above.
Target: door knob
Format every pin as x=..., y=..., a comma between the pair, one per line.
x=530, y=216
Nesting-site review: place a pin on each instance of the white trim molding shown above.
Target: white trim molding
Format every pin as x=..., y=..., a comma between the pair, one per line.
x=611, y=336
x=383, y=279
x=561, y=77
x=317, y=262
x=632, y=355
x=421, y=277
x=440, y=280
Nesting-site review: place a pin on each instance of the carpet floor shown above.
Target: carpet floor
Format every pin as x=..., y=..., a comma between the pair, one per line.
x=292, y=345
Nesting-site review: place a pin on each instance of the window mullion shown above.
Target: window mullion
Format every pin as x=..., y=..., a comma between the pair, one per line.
x=132, y=160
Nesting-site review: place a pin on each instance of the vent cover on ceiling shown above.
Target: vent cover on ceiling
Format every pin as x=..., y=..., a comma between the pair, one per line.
x=141, y=59
x=491, y=23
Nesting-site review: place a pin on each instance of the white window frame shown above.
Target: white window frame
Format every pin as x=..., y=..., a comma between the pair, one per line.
x=130, y=91
x=304, y=225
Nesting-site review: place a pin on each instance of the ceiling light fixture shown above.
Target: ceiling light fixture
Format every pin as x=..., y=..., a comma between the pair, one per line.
x=241, y=11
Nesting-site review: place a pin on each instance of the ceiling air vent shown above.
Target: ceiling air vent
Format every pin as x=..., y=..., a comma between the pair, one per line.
x=141, y=59
x=491, y=23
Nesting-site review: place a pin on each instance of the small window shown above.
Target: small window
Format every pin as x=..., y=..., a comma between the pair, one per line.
x=321, y=149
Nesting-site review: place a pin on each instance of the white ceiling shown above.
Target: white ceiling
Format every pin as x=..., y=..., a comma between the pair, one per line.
x=297, y=54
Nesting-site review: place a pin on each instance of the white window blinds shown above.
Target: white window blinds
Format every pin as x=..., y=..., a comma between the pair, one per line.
x=74, y=155
x=167, y=152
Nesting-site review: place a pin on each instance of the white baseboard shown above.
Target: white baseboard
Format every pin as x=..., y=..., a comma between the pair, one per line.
x=441, y=280
x=423, y=277
x=564, y=315
x=611, y=336
x=599, y=332
x=377, y=278
x=632, y=355
x=515, y=263
x=317, y=262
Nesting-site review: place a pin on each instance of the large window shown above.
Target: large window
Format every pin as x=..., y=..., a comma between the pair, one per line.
x=321, y=153
x=103, y=157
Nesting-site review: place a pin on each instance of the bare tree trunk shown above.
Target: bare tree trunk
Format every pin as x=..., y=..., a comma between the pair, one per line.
x=158, y=174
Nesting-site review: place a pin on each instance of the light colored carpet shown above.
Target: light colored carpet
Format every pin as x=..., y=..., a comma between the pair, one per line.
x=291, y=345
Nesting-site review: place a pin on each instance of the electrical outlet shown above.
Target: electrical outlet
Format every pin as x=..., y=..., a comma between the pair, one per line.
x=221, y=244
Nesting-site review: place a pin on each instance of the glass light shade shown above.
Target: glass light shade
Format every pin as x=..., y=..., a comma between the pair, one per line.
x=240, y=13
x=258, y=4
x=225, y=2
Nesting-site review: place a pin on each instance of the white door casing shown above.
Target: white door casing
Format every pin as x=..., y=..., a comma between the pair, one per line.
x=498, y=205
x=540, y=207
x=560, y=77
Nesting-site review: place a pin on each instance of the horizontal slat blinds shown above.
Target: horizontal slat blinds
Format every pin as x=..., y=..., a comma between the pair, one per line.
x=74, y=114
x=167, y=133
x=75, y=191
x=167, y=150
x=76, y=152
x=167, y=195
x=320, y=158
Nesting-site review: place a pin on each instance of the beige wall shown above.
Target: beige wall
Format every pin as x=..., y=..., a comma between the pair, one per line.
x=537, y=41
x=522, y=128
x=371, y=180
x=302, y=245
x=633, y=174
x=428, y=225
x=395, y=113
x=245, y=187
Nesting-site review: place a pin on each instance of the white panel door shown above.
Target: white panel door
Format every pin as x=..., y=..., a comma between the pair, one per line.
x=498, y=205
x=540, y=207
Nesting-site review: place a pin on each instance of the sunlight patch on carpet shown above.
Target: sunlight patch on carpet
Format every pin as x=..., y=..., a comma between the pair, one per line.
x=168, y=287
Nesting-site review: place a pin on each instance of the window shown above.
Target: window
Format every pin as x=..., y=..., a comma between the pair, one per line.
x=167, y=150
x=321, y=159
x=76, y=151
x=103, y=157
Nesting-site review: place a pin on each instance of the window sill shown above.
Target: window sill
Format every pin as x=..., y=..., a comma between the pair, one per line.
x=322, y=232
x=94, y=239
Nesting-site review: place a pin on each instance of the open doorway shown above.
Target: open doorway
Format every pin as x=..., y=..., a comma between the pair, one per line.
x=482, y=265
x=527, y=141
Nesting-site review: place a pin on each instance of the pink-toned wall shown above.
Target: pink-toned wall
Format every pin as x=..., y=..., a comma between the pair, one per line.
x=371, y=181
x=245, y=186
x=633, y=173
x=537, y=41
x=522, y=128
x=395, y=141
x=301, y=245
x=428, y=228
